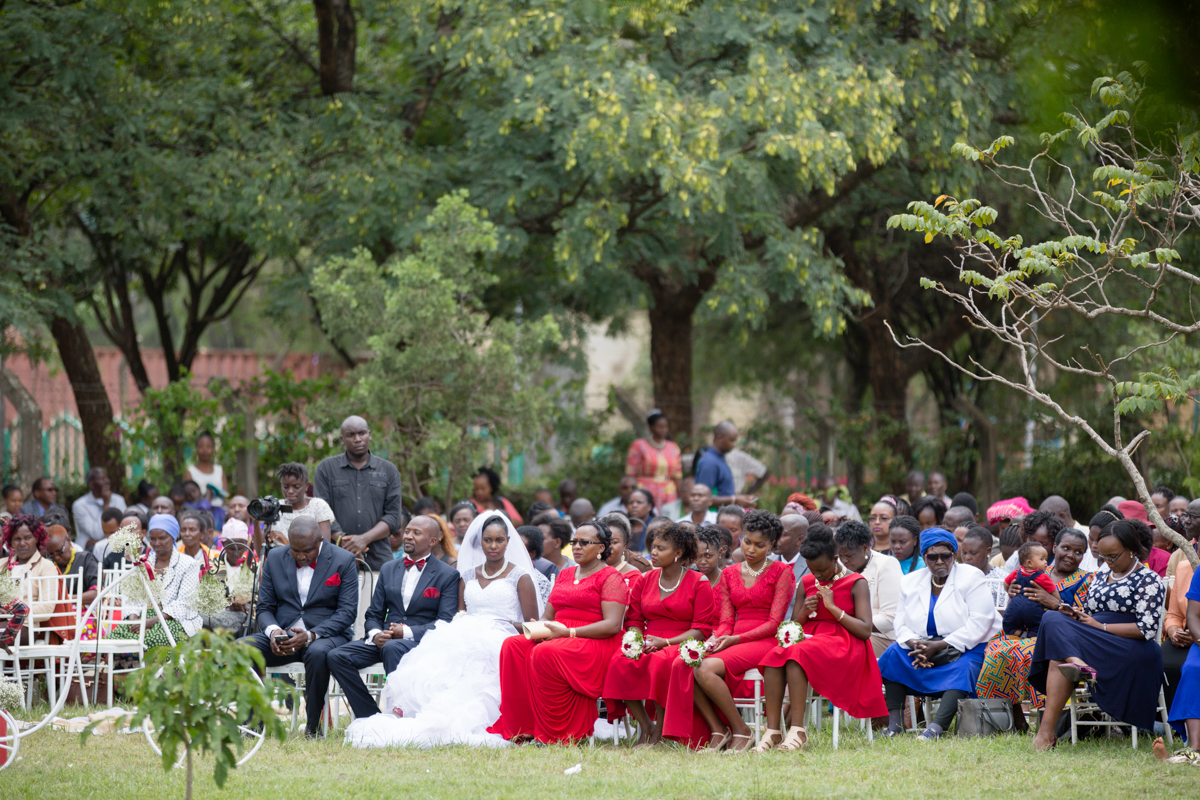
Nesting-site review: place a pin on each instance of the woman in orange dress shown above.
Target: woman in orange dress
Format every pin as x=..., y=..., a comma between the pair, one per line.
x=549, y=688
x=835, y=656
x=753, y=597
x=656, y=462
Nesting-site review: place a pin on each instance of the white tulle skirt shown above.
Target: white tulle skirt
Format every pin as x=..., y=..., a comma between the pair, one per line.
x=445, y=691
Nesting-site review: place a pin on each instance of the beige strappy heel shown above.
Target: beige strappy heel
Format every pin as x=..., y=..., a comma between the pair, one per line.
x=767, y=742
x=793, y=741
x=721, y=742
x=730, y=750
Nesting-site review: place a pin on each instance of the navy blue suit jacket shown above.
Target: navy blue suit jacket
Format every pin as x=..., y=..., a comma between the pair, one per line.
x=422, y=613
x=330, y=610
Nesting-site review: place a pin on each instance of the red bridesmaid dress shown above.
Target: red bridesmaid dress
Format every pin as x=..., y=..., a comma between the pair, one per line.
x=549, y=688
x=840, y=667
x=753, y=614
x=692, y=605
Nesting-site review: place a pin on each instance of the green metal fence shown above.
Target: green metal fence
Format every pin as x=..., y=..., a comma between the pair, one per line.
x=64, y=455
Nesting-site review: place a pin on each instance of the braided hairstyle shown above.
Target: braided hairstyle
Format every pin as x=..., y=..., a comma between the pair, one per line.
x=910, y=524
x=764, y=522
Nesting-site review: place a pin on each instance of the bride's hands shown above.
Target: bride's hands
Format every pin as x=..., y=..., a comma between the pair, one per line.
x=557, y=629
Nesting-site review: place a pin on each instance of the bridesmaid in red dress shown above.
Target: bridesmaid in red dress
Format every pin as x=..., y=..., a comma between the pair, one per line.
x=618, y=524
x=672, y=604
x=753, y=597
x=835, y=656
x=549, y=688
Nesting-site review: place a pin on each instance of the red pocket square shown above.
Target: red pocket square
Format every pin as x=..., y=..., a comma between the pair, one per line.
x=432, y=591
x=334, y=580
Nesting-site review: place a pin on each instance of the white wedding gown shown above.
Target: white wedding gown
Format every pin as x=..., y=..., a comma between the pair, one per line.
x=447, y=689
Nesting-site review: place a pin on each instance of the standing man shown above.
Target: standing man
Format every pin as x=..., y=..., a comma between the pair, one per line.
x=936, y=486
x=568, y=493
x=713, y=471
x=914, y=486
x=412, y=595
x=87, y=510
x=45, y=494
x=364, y=492
x=307, y=602
x=787, y=550
x=624, y=489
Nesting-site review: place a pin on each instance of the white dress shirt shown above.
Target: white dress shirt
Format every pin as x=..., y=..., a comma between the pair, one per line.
x=412, y=576
x=304, y=576
x=87, y=511
x=710, y=518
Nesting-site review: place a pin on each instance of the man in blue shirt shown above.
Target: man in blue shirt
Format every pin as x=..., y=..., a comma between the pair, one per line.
x=712, y=470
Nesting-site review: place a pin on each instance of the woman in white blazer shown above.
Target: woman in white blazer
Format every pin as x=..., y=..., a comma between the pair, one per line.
x=944, y=620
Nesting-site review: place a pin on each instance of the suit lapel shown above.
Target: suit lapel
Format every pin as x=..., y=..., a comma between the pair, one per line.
x=289, y=568
x=321, y=572
x=426, y=578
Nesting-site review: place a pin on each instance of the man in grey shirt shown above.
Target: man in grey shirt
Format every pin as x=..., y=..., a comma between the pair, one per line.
x=364, y=492
x=87, y=509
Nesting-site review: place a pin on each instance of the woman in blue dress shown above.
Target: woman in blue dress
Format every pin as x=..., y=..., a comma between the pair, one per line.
x=1111, y=642
x=1185, y=708
x=944, y=620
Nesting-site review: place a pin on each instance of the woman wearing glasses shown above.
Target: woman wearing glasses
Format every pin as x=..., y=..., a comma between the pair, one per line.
x=1110, y=642
x=944, y=620
x=549, y=687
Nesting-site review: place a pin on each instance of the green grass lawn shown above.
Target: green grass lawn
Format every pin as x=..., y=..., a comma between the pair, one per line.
x=53, y=765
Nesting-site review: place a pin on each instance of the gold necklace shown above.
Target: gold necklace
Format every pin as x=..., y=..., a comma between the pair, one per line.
x=754, y=574
x=664, y=589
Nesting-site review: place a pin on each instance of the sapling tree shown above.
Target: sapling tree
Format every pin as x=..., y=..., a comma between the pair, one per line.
x=1119, y=224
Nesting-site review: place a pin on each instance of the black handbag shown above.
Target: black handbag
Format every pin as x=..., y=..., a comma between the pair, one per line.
x=947, y=655
x=985, y=716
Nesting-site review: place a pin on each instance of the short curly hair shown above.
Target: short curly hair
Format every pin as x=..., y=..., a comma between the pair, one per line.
x=682, y=539
x=25, y=521
x=764, y=522
x=603, y=534
x=1039, y=519
x=853, y=533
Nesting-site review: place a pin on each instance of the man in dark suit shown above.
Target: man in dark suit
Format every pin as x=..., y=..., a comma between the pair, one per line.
x=787, y=550
x=307, y=602
x=412, y=594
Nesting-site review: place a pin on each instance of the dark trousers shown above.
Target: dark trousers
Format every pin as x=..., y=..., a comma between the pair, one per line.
x=894, y=694
x=316, y=670
x=1173, y=658
x=347, y=660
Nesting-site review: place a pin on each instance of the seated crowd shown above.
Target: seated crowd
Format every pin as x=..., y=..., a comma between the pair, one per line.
x=661, y=616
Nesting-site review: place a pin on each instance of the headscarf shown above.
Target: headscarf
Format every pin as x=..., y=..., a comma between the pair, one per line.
x=805, y=502
x=1004, y=509
x=1132, y=509
x=165, y=522
x=235, y=530
x=932, y=536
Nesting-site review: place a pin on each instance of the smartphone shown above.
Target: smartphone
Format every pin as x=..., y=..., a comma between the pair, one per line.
x=280, y=638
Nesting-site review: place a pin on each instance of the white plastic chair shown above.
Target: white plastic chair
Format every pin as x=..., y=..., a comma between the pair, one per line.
x=815, y=706
x=105, y=650
x=752, y=704
x=50, y=633
x=1081, y=702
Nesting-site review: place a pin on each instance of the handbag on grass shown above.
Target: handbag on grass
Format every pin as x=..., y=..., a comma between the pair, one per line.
x=984, y=716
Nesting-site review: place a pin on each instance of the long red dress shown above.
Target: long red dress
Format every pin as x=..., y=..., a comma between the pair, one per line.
x=549, y=688
x=754, y=615
x=690, y=606
x=840, y=667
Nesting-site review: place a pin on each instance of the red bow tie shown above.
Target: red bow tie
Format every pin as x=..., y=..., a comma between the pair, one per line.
x=409, y=564
x=302, y=566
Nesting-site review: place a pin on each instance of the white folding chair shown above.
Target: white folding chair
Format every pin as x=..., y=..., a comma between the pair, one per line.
x=815, y=707
x=1081, y=703
x=104, y=650
x=50, y=632
x=374, y=677
x=752, y=704
x=295, y=671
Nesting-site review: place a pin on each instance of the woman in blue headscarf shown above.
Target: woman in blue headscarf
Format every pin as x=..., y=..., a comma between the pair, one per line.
x=944, y=620
x=181, y=578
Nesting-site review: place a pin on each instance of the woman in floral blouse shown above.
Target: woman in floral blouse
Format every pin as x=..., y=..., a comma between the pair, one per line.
x=1110, y=642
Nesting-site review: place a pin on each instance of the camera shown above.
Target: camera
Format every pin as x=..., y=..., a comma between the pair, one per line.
x=267, y=509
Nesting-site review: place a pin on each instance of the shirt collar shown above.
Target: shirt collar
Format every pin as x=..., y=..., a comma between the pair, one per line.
x=313, y=564
x=347, y=465
x=791, y=560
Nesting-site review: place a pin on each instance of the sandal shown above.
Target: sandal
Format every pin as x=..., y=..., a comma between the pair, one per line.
x=746, y=736
x=1185, y=756
x=720, y=743
x=767, y=741
x=1076, y=673
x=793, y=741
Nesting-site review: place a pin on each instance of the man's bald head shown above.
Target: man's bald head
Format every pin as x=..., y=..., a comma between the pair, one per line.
x=58, y=545
x=795, y=528
x=420, y=535
x=356, y=436
x=582, y=511
x=956, y=516
x=725, y=436
x=1059, y=507
x=304, y=529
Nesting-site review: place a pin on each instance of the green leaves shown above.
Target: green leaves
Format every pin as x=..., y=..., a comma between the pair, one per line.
x=197, y=693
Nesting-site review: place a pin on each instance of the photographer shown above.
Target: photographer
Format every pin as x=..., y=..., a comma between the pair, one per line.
x=293, y=485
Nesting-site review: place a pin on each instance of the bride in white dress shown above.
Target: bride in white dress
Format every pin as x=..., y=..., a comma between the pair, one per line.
x=447, y=689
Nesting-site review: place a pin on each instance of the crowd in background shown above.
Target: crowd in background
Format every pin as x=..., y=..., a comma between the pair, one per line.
x=918, y=594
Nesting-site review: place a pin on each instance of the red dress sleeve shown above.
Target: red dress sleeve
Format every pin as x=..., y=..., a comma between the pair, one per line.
x=613, y=588
x=785, y=587
x=727, y=613
x=704, y=607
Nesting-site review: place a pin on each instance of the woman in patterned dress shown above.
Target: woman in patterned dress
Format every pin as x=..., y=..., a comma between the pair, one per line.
x=656, y=462
x=1006, y=664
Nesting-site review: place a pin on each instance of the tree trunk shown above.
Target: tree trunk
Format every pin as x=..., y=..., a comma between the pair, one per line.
x=671, y=349
x=95, y=412
x=888, y=373
x=30, y=459
x=987, y=487
x=336, y=40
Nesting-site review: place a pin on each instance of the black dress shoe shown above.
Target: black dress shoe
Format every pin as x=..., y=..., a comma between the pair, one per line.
x=317, y=735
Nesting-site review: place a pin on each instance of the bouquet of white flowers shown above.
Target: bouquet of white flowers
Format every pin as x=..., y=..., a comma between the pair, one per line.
x=212, y=596
x=632, y=644
x=692, y=652
x=240, y=582
x=789, y=633
x=9, y=589
x=128, y=541
x=11, y=698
